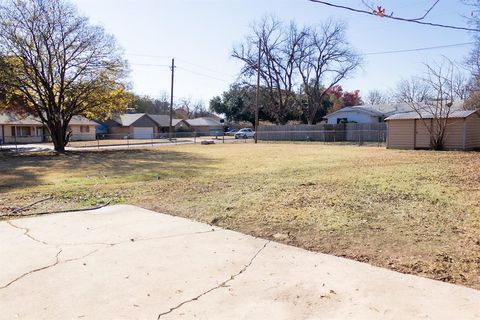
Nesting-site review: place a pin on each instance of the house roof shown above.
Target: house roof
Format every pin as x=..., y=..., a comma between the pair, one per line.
x=127, y=119
x=161, y=119
x=204, y=122
x=13, y=118
x=79, y=120
x=16, y=119
x=388, y=109
x=429, y=115
x=361, y=109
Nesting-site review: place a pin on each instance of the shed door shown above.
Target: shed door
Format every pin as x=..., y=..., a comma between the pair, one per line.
x=142, y=133
x=422, y=134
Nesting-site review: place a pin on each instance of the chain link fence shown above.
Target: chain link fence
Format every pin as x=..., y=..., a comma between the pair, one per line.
x=98, y=141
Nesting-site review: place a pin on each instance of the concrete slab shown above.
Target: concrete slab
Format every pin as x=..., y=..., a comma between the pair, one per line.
x=123, y=262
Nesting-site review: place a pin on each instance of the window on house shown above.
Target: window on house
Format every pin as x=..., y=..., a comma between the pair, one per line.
x=342, y=120
x=24, y=132
x=84, y=129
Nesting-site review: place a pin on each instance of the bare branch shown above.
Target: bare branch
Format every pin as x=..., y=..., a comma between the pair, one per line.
x=417, y=21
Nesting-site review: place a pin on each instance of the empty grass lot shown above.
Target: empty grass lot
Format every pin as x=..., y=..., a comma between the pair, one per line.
x=416, y=212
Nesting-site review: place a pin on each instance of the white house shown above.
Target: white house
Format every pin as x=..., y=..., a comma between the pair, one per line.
x=15, y=128
x=366, y=113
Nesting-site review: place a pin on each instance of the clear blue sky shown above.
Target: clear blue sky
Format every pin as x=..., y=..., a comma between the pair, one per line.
x=200, y=34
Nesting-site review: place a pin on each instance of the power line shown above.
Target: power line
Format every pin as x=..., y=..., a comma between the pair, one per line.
x=147, y=55
x=418, y=49
x=182, y=68
x=202, y=67
x=394, y=18
x=178, y=59
x=150, y=65
x=202, y=74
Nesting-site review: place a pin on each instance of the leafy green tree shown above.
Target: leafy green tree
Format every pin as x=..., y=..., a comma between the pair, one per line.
x=238, y=104
x=56, y=65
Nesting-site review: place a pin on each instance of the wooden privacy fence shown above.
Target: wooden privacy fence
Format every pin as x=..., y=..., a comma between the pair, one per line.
x=347, y=132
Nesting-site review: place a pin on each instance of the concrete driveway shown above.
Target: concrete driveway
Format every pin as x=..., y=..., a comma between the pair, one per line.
x=123, y=262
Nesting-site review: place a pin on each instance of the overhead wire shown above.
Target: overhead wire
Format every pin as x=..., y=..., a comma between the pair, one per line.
x=418, y=49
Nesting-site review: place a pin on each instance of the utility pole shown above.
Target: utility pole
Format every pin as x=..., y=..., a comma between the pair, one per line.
x=170, y=129
x=258, y=89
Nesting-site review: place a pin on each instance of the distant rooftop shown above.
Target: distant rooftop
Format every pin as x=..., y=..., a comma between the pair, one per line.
x=204, y=122
x=388, y=109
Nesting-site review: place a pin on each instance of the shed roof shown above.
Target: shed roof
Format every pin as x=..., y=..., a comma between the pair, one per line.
x=429, y=115
x=204, y=122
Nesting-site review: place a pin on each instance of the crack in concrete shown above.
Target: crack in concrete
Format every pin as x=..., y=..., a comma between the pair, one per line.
x=26, y=232
x=57, y=262
x=110, y=244
x=33, y=271
x=221, y=285
x=113, y=244
x=59, y=245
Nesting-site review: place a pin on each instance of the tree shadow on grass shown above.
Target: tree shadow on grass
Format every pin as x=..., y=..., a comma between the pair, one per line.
x=26, y=170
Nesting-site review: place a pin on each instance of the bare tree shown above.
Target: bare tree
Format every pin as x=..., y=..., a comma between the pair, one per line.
x=277, y=68
x=56, y=65
x=324, y=59
x=432, y=97
x=376, y=97
x=298, y=65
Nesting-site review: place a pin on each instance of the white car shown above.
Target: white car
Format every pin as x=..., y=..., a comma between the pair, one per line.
x=245, y=133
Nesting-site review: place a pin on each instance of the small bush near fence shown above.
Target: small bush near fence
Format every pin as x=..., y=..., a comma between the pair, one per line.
x=348, y=132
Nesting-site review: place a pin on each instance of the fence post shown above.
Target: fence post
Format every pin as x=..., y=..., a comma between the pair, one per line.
x=98, y=143
x=128, y=140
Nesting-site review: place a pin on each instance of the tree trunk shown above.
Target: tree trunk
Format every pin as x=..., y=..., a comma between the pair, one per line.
x=58, y=139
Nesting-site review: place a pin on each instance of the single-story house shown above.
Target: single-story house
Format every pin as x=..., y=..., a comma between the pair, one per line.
x=142, y=125
x=82, y=129
x=134, y=125
x=366, y=113
x=206, y=126
x=15, y=128
x=410, y=131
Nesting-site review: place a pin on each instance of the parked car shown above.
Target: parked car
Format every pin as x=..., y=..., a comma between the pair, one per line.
x=244, y=133
x=231, y=132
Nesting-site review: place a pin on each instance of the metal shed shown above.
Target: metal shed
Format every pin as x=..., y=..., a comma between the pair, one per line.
x=410, y=131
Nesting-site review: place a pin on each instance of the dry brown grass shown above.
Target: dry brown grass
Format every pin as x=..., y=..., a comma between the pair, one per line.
x=413, y=211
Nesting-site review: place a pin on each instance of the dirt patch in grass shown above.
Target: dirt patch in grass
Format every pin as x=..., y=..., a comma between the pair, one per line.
x=415, y=212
